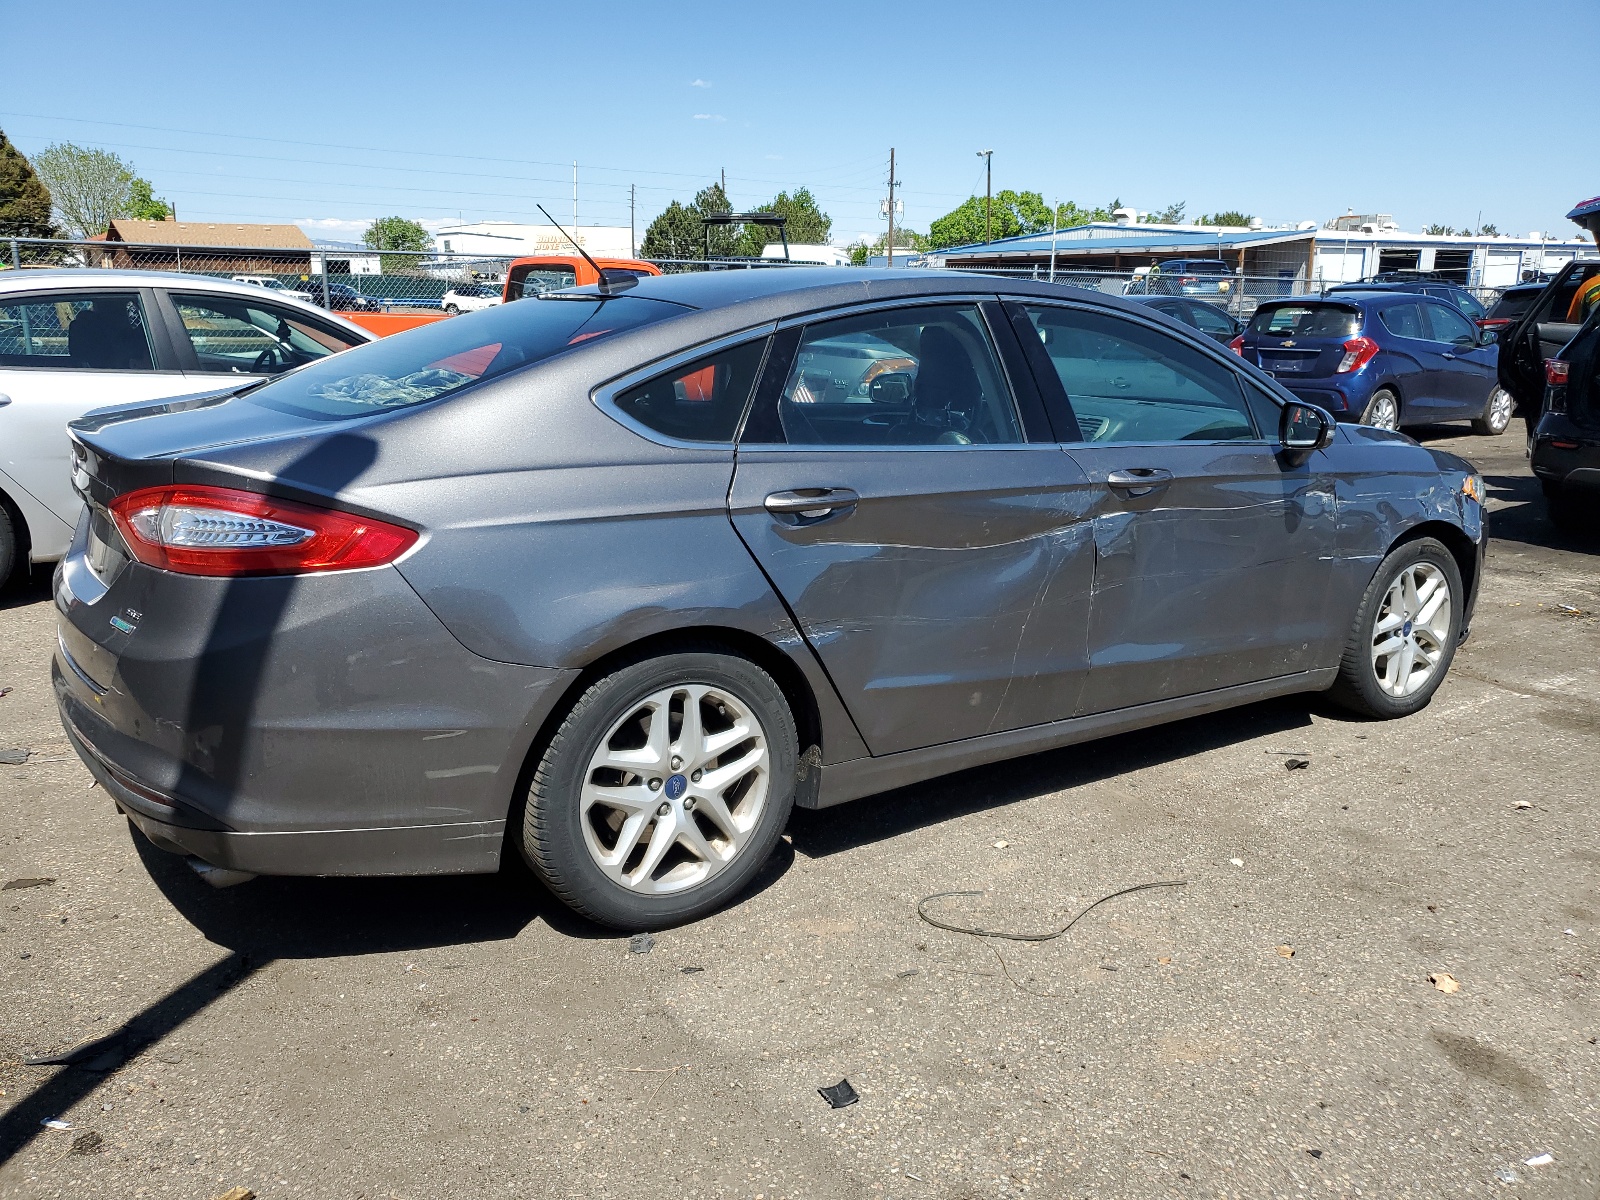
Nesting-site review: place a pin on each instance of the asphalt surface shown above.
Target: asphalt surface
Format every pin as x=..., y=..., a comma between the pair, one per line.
x=465, y=1037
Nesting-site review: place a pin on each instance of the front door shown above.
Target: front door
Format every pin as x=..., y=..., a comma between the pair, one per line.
x=937, y=561
x=1212, y=552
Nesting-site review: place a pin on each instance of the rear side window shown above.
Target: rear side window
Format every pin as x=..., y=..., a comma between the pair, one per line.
x=103, y=331
x=1206, y=318
x=1306, y=320
x=1404, y=320
x=700, y=401
x=438, y=359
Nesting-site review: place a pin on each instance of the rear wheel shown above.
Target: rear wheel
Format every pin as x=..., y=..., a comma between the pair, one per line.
x=663, y=791
x=1405, y=632
x=10, y=544
x=452, y=310
x=1496, y=413
x=1383, y=410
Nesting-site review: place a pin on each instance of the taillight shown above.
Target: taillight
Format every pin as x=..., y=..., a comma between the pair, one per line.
x=1237, y=345
x=1493, y=322
x=1358, y=352
x=1555, y=372
x=222, y=531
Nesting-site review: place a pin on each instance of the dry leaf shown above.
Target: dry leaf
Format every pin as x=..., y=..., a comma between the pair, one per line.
x=238, y=1193
x=1164, y=959
x=1285, y=951
x=1445, y=982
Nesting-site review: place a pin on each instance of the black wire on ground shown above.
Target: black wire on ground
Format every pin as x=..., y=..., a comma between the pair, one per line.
x=974, y=931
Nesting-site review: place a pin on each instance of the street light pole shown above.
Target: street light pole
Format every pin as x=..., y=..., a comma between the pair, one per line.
x=988, y=194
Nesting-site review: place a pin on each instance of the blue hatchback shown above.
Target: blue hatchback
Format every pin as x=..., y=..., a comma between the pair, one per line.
x=1387, y=358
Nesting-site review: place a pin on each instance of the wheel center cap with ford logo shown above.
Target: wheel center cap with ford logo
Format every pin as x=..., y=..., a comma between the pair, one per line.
x=676, y=787
x=1405, y=631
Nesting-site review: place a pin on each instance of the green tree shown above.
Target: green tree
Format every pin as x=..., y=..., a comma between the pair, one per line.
x=396, y=233
x=1486, y=231
x=678, y=233
x=806, y=224
x=143, y=204
x=1231, y=216
x=1172, y=214
x=24, y=200
x=1439, y=230
x=906, y=241
x=1014, y=213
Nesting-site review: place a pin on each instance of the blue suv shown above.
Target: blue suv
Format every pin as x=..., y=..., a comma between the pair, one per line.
x=1387, y=358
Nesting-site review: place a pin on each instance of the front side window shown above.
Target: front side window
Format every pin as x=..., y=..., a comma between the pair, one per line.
x=1449, y=325
x=916, y=376
x=103, y=331
x=438, y=359
x=1130, y=383
x=700, y=401
x=1403, y=320
x=243, y=337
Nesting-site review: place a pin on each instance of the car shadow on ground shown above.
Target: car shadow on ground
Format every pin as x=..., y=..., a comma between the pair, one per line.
x=817, y=834
x=30, y=588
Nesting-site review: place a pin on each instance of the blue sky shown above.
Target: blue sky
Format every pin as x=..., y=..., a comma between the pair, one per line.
x=338, y=113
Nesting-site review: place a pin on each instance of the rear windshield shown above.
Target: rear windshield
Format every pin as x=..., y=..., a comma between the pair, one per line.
x=1513, y=304
x=1306, y=320
x=1197, y=266
x=438, y=359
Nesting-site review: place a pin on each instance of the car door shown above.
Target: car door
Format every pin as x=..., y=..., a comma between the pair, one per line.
x=1213, y=549
x=919, y=520
x=1467, y=374
x=240, y=338
x=1550, y=323
x=1422, y=365
x=62, y=353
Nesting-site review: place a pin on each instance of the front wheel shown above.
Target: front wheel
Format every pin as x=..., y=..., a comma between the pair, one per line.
x=1496, y=413
x=452, y=310
x=1382, y=411
x=663, y=791
x=9, y=544
x=1405, y=632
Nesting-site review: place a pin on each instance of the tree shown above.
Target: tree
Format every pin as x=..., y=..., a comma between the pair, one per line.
x=1487, y=231
x=143, y=204
x=678, y=232
x=91, y=188
x=1172, y=214
x=24, y=200
x=906, y=241
x=806, y=225
x=1230, y=216
x=1015, y=213
x=396, y=233
x=1439, y=230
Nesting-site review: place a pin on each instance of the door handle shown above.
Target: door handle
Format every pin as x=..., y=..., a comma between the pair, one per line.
x=811, y=503
x=1139, y=481
x=4, y=399
x=1448, y=355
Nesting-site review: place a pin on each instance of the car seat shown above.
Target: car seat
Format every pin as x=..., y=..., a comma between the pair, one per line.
x=103, y=338
x=944, y=396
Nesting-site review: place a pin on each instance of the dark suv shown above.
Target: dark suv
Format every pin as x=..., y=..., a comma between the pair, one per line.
x=1439, y=289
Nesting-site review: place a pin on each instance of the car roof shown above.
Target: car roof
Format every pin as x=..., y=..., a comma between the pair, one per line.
x=1396, y=285
x=1354, y=297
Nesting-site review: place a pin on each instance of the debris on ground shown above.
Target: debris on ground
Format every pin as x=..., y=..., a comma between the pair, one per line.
x=56, y=1123
x=1314, y=1153
x=1047, y=935
x=1001, y=844
x=1238, y=862
x=1568, y=610
x=12, y=885
x=1286, y=951
x=14, y=758
x=1523, y=804
x=1444, y=982
x=1507, y=1175
x=1569, y=933
x=1539, y=1160
x=908, y=974
x=641, y=943
x=86, y=1143
x=4, y=692
x=244, y=1193
x=840, y=1095
x=1164, y=959
x=693, y=970
x=1297, y=764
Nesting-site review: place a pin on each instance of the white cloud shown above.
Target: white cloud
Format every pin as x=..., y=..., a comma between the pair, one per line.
x=709, y=117
x=701, y=83
x=350, y=229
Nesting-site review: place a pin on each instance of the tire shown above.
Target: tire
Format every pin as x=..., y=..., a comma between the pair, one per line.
x=452, y=310
x=645, y=845
x=10, y=544
x=1497, y=413
x=1383, y=410
x=1393, y=684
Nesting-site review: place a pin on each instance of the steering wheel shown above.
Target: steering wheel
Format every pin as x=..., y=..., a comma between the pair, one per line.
x=268, y=360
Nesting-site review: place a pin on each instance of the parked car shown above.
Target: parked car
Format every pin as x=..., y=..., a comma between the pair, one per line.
x=1565, y=446
x=1437, y=288
x=1388, y=358
x=588, y=575
x=541, y=273
x=273, y=284
x=1210, y=319
x=76, y=340
x=1185, y=277
x=470, y=297
x=1512, y=304
x=1553, y=320
x=341, y=297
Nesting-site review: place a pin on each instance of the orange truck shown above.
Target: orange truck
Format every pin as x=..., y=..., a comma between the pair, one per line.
x=524, y=277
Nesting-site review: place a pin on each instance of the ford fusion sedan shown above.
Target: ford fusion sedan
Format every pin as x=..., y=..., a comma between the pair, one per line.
x=614, y=579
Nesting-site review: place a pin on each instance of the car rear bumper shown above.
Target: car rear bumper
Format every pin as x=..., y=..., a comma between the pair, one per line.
x=1565, y=454
x=324, y=725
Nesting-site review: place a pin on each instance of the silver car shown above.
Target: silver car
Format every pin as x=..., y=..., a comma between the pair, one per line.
x=618, y=577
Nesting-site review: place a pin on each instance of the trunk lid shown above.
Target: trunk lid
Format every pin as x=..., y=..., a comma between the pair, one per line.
x=1301, y=339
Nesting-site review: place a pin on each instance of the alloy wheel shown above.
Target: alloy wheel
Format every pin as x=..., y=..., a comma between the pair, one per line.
x=1383, y=413
x=1412, y=629
x=676, y=789
x=1498, y=415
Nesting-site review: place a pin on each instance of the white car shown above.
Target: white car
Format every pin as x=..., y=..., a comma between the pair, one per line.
x=469, y=297
x=76, y=340
x=273, y=284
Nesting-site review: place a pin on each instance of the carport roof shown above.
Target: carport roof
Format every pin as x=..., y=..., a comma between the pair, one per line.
x=1100, y=239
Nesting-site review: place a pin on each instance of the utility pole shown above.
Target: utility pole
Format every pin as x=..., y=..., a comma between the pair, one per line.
x=988, y=194
x=1055, y=220
x=574, y=197
x=633, y=194
x=891, y=208
x=724, y=182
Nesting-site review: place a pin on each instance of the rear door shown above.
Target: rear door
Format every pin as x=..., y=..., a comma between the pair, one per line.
x=1212, y=552
x=63, y=353
x=1418, y=361
x=1467, y=373
x=920, y=521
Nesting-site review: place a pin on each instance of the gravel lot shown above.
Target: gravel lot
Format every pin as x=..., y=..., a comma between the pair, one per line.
x=308, y=1038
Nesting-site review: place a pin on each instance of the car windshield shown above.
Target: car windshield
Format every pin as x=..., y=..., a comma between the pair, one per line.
x=436, y=360
x=1306, y=320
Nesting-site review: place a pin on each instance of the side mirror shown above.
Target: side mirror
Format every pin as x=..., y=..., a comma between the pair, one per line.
x=1305, y=427
x=892, y=387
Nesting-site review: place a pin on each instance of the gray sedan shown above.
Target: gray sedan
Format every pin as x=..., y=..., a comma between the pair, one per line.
x=618, y=577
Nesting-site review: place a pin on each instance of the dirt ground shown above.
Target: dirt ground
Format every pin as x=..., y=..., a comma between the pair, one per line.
x=1266, y=1029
